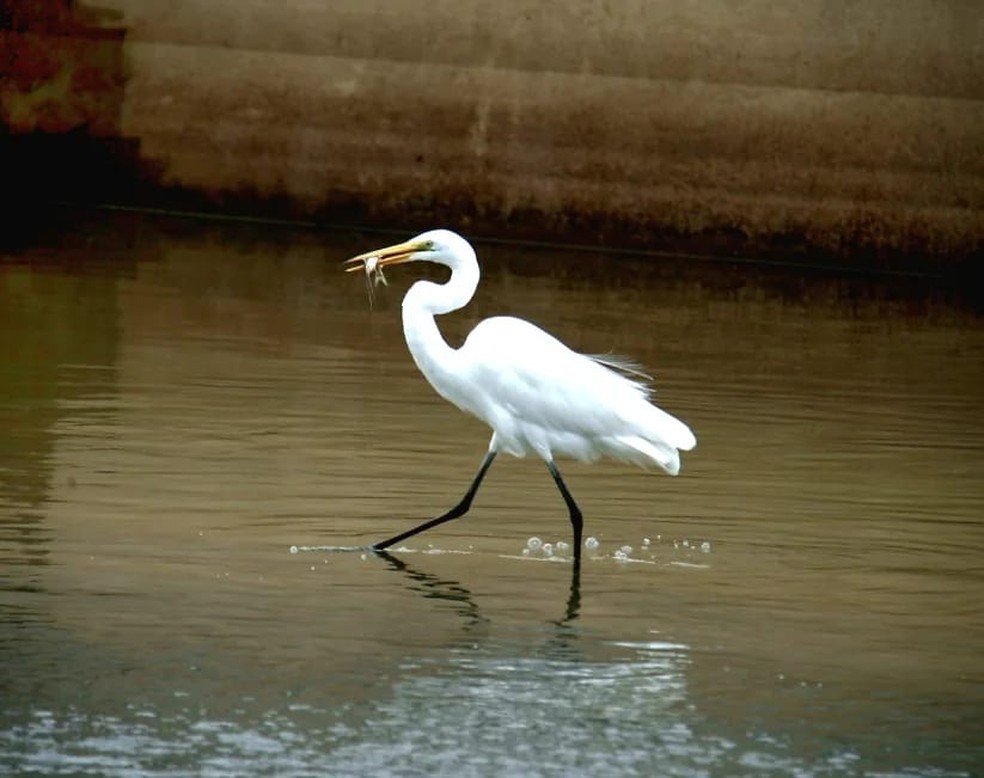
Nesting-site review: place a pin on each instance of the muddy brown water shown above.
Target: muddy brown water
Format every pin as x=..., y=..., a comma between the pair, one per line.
x=183, y=403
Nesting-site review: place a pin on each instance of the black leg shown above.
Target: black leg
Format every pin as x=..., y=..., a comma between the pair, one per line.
x=458, y=510
x=576, y=521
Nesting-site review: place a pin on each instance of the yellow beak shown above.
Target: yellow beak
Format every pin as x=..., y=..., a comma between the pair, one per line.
x=391, y=255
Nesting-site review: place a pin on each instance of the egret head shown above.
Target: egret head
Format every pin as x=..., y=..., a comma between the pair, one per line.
x=441, y=246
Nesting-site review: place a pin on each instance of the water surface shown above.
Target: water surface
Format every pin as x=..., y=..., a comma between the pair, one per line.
x=181, y=403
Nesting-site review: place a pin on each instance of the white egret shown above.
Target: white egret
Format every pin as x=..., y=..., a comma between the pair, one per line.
x=538, y=396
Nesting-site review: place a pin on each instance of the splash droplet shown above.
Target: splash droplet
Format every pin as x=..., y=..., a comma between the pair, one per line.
x=534, y=544
x=591, y=544
x=294, y=549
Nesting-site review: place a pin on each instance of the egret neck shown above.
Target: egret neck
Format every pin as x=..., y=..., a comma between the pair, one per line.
x=425, y=300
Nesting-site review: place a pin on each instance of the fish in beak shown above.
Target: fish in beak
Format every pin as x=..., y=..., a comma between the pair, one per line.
x=373, y=262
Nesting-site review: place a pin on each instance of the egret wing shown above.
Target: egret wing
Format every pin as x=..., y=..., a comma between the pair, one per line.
x=527, y=373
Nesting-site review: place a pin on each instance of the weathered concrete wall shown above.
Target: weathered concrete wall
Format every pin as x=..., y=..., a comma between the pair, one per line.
x=831, y=125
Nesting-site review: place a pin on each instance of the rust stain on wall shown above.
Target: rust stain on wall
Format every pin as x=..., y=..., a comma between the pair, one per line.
x=61, y=68
x=62, y=82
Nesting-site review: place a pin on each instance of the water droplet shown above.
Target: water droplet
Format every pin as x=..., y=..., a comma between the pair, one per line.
x=294, y=549
x=534, y=544
x=547, y=549
x=705, y=546
x=627, y=550
x=561, y=547
x=620, y=555
x=591, y=544
x=645, y=542
x=526, y=552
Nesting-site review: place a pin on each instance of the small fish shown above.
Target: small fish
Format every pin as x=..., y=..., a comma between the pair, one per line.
x=374, y=277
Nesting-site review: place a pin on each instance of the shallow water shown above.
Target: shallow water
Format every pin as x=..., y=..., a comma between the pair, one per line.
x=181, y=403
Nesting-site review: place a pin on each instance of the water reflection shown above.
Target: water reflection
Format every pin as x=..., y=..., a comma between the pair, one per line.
x=433, y=587
x=452, y=591
x=183, y=404
x=58, y=344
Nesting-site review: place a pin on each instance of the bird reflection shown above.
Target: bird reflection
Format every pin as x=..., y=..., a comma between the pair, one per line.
x=563, y=643
x=573, y=597
x=435, y=588
x=452, y=591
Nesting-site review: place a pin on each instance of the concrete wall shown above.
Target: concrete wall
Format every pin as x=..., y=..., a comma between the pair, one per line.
x=829, y=125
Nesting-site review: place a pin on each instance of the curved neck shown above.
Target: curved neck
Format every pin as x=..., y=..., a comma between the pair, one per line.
x=425, y=300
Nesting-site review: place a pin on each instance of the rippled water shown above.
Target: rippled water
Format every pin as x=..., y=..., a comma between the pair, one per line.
x=180, y=404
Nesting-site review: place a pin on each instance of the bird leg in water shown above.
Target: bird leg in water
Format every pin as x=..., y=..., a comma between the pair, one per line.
x=458, y=510
x=577, y=521
x=374, y=277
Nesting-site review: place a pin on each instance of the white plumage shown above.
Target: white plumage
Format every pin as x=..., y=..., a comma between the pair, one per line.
x=536, y=394
x=541, y=397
